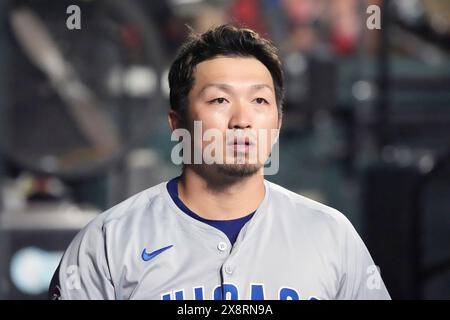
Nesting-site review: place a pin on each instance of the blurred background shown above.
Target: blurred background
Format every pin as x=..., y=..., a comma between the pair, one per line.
x=366, y=124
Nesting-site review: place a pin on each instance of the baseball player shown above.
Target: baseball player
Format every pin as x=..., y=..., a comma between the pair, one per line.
x=220, y=230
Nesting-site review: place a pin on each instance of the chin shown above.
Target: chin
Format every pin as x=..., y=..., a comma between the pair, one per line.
x=238, y=170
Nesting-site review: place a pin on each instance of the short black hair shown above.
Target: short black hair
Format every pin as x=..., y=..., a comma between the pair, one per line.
x=224, y=40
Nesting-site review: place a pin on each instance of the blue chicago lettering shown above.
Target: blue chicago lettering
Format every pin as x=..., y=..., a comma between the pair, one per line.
x=229, y=291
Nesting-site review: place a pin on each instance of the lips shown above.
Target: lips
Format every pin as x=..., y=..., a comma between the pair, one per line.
x=241, y=141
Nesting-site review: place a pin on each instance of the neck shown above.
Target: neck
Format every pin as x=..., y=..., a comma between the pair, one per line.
x=225, y=200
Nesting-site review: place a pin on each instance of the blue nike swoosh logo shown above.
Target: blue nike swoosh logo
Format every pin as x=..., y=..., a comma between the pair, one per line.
x=148, y=256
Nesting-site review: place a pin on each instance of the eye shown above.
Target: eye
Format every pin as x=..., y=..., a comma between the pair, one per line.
x=218, y=101
x=261, y=101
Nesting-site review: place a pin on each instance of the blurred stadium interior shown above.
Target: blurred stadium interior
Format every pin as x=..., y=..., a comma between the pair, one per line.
x=366, y=122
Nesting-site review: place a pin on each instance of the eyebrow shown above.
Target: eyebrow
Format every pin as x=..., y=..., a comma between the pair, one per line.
x=227, y=87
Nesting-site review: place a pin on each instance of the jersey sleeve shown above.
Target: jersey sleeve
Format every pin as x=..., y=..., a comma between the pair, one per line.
x=83, y=272
x=360, y=277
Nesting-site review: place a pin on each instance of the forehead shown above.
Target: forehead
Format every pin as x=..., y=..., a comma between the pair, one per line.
x=232, y=70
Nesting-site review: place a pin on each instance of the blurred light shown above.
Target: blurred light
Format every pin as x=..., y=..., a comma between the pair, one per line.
x=55, y=187
x=363, y=90
x=139, y=81
x=426, y=163
x=296, y=64
x=13, y=196
x=410, y=10
x=183, y=2
x=136, y=81
x=32, y=269
x=400, y=155
x=165, y=83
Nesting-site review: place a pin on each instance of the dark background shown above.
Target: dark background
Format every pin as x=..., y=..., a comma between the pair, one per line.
x=366, y=124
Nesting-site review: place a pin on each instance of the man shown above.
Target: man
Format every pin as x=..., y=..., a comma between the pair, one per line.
x=220, y=230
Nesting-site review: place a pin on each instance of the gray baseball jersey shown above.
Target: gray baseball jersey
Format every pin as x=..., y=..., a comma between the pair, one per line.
x=147, y=248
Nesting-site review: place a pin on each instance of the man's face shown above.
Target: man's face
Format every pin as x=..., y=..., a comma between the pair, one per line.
x=236, y=97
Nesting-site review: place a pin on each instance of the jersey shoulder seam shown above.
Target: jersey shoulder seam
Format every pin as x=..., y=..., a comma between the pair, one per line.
x=304, y=201
x=150, y=196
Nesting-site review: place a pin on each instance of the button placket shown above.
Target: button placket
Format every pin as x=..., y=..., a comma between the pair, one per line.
x=222, y=246
x=229, y=270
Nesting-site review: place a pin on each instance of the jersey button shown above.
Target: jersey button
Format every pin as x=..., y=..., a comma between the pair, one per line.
x=222, y=246
x=229, y=270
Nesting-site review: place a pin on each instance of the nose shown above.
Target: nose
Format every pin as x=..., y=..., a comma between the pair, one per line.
x=241, y=117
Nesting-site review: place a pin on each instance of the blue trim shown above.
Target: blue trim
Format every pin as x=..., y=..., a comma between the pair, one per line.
x=230, y=227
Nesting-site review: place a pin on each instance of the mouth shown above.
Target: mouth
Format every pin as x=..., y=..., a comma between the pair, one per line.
x=241, y=146
x=241, y=142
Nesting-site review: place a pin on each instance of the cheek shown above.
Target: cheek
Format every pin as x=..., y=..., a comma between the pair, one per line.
x=268, y=127
x=210, y=118
x=267, y=120
x=213, y=122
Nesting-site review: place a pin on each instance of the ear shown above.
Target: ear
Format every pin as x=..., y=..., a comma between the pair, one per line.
x=174, y=120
